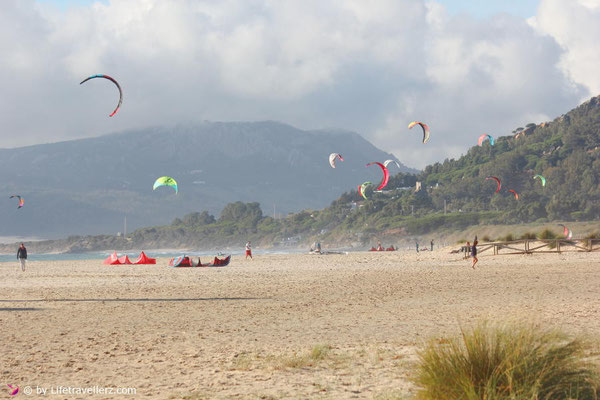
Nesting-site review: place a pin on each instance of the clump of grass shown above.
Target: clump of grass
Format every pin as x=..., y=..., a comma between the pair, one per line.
x=547, y=234
x=508, y=238
x=506, y=362
x=528, y=235
x=242, y=362
x=319, y=352
x=486, y=238
x=594, y=235
x=461, y=241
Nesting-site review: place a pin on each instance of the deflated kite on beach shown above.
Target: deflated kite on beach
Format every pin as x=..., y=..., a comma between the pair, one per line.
x=566, y=231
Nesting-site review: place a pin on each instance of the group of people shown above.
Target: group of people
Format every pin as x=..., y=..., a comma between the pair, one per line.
x=430, y=248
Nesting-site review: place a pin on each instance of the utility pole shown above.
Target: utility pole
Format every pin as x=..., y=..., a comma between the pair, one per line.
x=125, y=227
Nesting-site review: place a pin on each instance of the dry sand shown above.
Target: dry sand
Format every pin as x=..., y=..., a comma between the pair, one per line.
x=246, y=331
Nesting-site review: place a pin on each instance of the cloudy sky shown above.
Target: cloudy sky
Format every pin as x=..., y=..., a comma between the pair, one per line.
x=464, y=67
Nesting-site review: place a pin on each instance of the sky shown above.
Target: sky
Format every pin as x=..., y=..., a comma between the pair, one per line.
x=463, y=67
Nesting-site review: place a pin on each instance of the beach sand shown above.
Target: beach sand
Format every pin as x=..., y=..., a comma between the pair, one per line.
x=247, y=331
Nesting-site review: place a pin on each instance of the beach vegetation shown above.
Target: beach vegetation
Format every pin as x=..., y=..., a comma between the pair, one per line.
x=502, y=362
x=547, y=234
x=528, y=235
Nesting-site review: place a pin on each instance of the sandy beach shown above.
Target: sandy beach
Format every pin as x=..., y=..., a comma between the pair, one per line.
x=276, y=327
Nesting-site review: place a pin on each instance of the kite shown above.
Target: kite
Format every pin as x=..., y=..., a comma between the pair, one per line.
x=388, y=162
x=515, y=193
x=165, y=181
x=21, y=200
x=425, y=130
x=541, y=178
x=482, y=139
x=386, y=175
x=361, y=189
x=113, y=81
x=497, y=182
x=566, y=231
x=333, y=157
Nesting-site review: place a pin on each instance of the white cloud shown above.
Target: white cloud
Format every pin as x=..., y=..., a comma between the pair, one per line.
x=370, y=67
x=575, y=25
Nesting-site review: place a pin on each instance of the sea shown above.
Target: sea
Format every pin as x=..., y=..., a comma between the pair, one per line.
x=101, y=255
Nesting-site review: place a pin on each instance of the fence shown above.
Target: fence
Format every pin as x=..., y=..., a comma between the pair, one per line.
x=530, y=246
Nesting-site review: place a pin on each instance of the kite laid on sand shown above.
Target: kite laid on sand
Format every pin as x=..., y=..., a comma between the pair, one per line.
x=566, y=231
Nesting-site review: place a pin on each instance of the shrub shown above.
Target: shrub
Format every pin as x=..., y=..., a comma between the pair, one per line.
x=547, y=234
x=508, y=238
x=506, y=362
x=319, y=352
x=594, y=235
x=528, y=235
x=486, y=238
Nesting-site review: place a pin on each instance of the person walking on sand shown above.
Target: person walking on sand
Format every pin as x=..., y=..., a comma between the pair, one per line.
x=417, y=244
x=22, y=256
x=248, y=250
x=474, y=252
x=431, y=244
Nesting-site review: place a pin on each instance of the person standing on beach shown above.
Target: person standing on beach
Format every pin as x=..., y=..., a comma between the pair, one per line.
x=474, y=252
x=22, y=256
x=248, y=250
x=417, y=244
x=431, y=244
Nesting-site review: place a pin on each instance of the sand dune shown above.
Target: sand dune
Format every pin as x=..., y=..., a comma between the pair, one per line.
x=247, y=331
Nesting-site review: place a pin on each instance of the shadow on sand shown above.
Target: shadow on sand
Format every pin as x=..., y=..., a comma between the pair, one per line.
x=21, y=309
x=132, y=300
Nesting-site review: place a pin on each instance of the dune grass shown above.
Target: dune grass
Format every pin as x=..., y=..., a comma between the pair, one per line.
x=515, y=362
x=528, y=235
x=547, y=234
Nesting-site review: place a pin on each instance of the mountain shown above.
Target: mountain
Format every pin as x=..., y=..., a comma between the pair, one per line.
x=455, y=193
x=90, y=185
